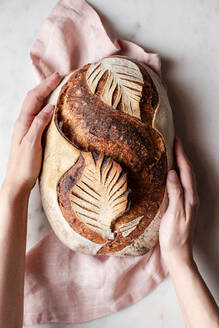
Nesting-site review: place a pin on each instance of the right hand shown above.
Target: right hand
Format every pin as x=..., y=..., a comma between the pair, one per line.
x=179, y=220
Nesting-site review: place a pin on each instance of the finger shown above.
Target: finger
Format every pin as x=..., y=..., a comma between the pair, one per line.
x=187, y=176
x=34, y=134
x=175, y=193
x=34, y=101
x=36, y=97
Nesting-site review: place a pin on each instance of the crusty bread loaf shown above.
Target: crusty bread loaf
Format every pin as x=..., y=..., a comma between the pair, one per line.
x=107, y=153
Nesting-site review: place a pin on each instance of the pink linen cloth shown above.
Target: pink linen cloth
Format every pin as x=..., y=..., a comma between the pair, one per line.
x=61, y=285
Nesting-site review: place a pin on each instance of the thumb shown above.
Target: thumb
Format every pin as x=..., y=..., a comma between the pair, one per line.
x=39, y=124
x=174, y=190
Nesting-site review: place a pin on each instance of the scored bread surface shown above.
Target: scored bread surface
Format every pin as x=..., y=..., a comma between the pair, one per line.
x=107, y=152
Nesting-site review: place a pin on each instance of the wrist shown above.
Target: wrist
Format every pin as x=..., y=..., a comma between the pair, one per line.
x=177, y=259
x=15, y=191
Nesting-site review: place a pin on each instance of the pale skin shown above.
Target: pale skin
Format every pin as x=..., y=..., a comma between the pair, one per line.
x=176, y=231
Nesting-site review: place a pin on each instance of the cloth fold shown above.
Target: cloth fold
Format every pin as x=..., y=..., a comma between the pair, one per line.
x=61, y=285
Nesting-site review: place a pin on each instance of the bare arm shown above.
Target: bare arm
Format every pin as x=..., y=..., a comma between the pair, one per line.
x=13, y=207
x=176, y=233
x=22, y=171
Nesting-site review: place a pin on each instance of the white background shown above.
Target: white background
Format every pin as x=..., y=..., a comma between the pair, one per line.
x=185, y=33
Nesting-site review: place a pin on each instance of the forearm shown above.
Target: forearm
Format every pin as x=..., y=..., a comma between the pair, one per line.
x=197, y=304
x=13, y=226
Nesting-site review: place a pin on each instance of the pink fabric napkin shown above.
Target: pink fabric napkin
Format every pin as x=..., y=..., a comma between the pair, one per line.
x=60, y=285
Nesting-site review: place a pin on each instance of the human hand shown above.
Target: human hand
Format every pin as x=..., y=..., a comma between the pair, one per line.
x=25, y=157
x=179, y=220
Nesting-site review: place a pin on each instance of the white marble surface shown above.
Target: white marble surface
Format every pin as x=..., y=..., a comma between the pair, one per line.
x=185, y=33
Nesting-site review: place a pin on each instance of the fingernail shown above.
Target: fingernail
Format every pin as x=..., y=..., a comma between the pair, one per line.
x=172, y=175
x=55, y=74
x=48, y=108
x=178, y=140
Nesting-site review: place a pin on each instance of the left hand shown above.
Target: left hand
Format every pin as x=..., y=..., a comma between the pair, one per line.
x=25, y=157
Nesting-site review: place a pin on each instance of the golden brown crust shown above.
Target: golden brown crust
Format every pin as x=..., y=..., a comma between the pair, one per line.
x=93, y=126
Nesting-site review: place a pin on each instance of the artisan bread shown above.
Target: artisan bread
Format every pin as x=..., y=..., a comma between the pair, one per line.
x=107, y=153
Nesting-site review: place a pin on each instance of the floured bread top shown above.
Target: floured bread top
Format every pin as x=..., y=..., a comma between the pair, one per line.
x=113, y=191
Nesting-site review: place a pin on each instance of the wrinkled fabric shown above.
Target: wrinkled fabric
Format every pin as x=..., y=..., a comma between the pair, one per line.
x=61, y=285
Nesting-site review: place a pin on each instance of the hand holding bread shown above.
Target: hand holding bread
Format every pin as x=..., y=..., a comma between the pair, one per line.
x=178, y=222
x=26, y=149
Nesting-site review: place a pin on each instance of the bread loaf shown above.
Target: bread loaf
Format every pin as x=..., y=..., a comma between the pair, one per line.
x=107, y=152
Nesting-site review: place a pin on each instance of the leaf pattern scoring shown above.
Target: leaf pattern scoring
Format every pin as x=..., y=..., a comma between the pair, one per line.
x=127, y=228
x=124, y=83
x=101, y=195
